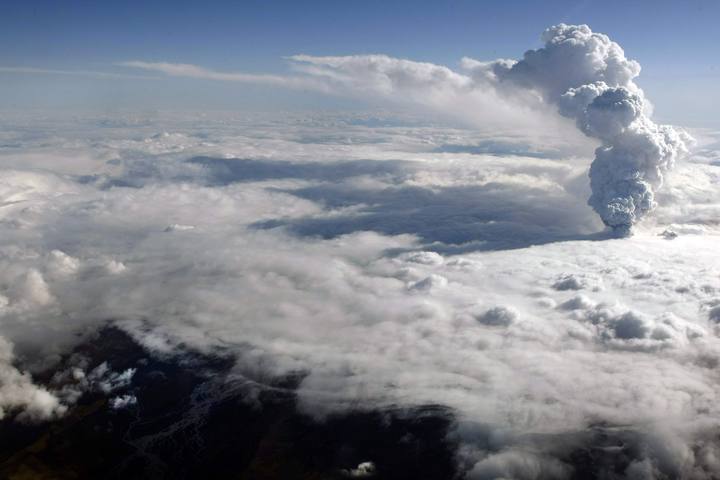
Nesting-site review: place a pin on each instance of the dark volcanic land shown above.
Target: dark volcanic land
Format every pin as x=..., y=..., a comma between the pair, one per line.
x=194, y=420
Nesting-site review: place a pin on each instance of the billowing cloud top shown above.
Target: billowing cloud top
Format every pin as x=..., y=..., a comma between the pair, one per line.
x=588, y=76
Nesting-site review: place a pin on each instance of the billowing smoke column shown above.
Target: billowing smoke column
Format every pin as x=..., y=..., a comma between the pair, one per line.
x=588, y=77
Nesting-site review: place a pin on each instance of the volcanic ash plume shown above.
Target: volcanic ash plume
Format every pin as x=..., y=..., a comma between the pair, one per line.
x=588, y=77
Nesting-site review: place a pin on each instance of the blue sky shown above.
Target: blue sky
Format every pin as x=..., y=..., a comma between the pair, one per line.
x=676, y=43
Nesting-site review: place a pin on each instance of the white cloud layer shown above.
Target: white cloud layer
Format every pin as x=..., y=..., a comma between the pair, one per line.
x=392, y=262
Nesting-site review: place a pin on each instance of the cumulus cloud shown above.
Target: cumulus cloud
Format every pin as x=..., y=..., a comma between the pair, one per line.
x=123, y=401
x=569, y=282
x=105, y=380
x=363, y=470
x=19, y=395
x=515, y=464
x=497, y=316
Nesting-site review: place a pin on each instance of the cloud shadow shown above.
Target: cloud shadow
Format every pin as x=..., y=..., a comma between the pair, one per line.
x=225, y=171
x=218, y=172
x=453, y=219
x=449, y=219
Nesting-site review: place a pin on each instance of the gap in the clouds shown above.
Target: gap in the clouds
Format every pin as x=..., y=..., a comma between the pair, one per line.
x=195, y=418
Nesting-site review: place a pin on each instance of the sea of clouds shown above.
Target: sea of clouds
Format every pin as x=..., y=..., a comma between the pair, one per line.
x=391, y=260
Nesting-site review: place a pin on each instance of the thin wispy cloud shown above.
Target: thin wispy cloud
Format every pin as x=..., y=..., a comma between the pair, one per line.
x=381, y=79
x=194, y=71
x=79, y=73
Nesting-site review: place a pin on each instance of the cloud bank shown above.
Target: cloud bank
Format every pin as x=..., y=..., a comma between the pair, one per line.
x=387, y=263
